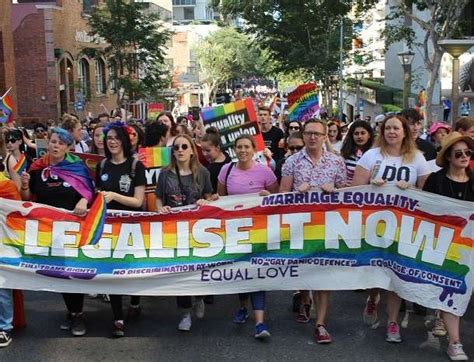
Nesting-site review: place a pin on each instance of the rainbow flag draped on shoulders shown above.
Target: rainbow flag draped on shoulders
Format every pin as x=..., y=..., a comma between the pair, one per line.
x=72, y=170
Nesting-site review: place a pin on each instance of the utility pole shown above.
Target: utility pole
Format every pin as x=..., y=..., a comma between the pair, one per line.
x=341, y=65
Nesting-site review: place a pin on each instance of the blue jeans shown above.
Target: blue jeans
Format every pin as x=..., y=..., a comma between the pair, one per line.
x=6, y=310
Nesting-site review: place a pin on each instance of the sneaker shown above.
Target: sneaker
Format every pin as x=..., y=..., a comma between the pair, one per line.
x=66, y=324
x=185, y=323
x=261, y=331
x=6, y=339
x=304, y=314
x=134, y=311
x=393, y=333
x=118, y=329
x=241, y=316
x=456, y=353
x=78, y=326
x=439, y=329
x=296, y=302
x=370, y=315
x=321, y=335
x=199, y=308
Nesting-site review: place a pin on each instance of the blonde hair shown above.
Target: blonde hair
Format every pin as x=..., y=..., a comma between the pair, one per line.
x=408, y=148
x=69, y=122
x=194, y=163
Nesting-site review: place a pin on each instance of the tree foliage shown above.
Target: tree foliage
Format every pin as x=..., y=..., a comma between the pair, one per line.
x=438, y=19
x=136, y=45
x=227, y=54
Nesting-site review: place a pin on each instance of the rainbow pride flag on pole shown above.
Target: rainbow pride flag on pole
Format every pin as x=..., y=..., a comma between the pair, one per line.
x=6, y=108
x=156, y=156
x=94, y=222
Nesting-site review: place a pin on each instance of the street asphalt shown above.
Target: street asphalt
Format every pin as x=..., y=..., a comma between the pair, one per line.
x=154, y=336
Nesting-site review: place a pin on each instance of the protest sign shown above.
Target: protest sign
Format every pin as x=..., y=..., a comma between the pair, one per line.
x=355, y=238
x=154, y=109
x=41, y=147
x=154, y=158
x=303, y=102
x=232, y=120
x=91, y=160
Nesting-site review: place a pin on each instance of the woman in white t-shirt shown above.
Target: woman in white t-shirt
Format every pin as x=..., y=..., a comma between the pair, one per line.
x=394, y=160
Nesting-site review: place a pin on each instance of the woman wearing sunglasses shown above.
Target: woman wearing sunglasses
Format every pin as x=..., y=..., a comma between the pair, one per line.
x=61, y=179
x=17, y=161
x=247, y=176
x=184, y=182
x=359, y=139
x=456, y=180
x=295, y=143
x=122, y=179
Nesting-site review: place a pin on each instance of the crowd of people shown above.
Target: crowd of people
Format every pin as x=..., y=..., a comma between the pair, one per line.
x=298, y=157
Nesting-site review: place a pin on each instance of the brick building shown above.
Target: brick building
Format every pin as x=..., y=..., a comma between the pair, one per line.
x=55, y=61
x=7, y=66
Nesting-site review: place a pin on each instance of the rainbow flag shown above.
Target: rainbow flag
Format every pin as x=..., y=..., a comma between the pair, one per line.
x=303, y=102
x=21, y=165
x=6, y=109
x=94, y=222
x=156, y=156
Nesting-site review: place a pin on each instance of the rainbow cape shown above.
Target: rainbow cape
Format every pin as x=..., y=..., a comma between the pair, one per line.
x=6, y=109
x=94, y=222
x=21, y=165
x=72, y=170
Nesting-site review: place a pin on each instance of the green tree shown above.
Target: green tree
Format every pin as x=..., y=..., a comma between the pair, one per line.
x=228, y=54
x=438, y=20
x=136, y=45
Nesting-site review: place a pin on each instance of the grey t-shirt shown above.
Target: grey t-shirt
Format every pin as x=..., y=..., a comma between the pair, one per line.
x=168, y=190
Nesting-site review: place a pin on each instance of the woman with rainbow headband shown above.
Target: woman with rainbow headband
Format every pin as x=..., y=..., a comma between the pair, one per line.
x=16, y=162
x=122, y=179
x=61, y=179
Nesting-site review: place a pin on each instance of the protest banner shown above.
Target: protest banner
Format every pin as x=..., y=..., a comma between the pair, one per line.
x=154, y=158
x=154, y=109
x=232, y=120
x=91, y=161
x=303, y=102
x=354, y=238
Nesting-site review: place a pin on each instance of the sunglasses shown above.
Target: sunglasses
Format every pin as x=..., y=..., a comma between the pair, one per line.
x=11, y=140
x=294, y=128
x=295, y=148
x=460, y=153
x=183, y=146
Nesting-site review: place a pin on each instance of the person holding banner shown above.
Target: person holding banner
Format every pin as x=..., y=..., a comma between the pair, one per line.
x=61, y=179
x=122, y=179
x=247, y=176
x=184, y=182
x=395, y=160
x=456, y=180
x=314, y=167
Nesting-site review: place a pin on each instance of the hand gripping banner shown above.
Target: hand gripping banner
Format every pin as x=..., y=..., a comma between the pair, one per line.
x=414, y=243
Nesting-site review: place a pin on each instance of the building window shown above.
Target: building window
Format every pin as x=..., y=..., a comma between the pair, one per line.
x=188, y=13
x=84, y=78
x=113, y=76
x=87, y=5
x=99, y=76
x=184, y=2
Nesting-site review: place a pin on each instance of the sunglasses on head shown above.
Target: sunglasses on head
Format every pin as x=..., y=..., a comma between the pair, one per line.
x=460, y=153
x=183, y=146
x=295, y=148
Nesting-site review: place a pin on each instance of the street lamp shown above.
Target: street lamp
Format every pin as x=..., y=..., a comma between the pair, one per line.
x=358, y=77
x=406, y=58
x=455, y=47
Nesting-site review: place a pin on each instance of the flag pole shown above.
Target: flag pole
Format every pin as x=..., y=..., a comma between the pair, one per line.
x=8, y=91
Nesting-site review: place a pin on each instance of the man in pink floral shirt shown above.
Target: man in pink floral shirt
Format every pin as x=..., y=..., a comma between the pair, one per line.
x=314, y=168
